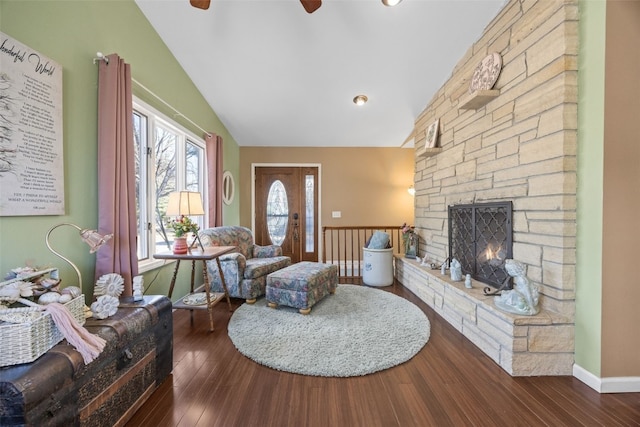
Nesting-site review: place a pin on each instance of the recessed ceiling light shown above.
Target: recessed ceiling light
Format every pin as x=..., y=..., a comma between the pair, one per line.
x=360, y=100
x=390, y=2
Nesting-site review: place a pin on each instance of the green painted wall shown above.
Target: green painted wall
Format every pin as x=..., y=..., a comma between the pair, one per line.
x=70, y=33
x=588, y=340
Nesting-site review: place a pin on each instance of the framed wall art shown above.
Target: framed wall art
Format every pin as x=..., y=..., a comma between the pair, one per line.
x=432, y=134
x=31, y=152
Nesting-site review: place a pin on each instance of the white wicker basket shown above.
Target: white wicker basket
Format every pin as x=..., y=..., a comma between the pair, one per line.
x=25, y=342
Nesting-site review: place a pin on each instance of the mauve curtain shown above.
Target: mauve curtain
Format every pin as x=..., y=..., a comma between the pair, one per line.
x=116, y=172
x=214, y=175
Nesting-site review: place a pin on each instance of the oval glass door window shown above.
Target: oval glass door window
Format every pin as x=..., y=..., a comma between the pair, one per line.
x=277, y=212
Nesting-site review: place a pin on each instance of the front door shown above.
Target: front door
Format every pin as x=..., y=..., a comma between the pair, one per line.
x=287, y=210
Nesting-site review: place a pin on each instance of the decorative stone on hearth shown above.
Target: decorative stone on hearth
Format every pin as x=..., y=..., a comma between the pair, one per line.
x=524, y=297
x=467, y=282
x=456, y=270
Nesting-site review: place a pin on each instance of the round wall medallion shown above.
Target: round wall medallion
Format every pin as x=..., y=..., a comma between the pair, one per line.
x=486, y=73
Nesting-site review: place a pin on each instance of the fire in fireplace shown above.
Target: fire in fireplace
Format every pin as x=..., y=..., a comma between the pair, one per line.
x=480, y=237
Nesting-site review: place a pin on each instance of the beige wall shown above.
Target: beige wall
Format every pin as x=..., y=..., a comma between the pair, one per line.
x=368, y=185
x=621, y=203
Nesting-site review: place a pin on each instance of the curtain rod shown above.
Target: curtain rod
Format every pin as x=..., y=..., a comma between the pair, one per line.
x=100, y=57
x=178, y=113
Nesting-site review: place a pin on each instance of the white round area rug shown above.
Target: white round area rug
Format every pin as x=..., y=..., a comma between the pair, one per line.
x=357, y=331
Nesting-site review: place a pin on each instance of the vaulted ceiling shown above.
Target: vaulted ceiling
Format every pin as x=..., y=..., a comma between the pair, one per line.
x=278, y=76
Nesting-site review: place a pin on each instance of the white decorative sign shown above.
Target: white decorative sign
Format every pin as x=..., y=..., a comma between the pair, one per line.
x=31, y=162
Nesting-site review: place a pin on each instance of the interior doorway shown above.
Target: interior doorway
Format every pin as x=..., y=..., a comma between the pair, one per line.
x=286, y=206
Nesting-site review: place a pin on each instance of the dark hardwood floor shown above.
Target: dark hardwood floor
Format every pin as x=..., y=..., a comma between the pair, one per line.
x=450, y=382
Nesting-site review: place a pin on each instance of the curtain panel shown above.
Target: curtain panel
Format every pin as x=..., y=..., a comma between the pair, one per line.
x=214, y=177
x=116, y=171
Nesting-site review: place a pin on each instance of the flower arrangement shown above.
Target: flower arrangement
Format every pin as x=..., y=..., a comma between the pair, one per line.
x=182, y=225
x=407, y=233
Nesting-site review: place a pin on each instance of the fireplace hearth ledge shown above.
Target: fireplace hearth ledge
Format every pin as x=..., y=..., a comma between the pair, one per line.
x=522, y=345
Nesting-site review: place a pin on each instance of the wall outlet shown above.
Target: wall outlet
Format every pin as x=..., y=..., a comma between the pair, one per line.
x=336, y=214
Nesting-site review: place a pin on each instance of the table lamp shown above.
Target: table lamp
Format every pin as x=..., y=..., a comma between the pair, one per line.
x=92, y=238
x=186, y=203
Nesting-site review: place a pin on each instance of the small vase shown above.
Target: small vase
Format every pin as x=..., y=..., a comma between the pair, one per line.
x=180, y=245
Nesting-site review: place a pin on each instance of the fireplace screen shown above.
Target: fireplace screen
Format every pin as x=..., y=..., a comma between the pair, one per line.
x=480, y=237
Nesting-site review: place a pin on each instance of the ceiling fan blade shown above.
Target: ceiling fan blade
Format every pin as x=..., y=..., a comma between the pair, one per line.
x=311, y=5
x=200, y=4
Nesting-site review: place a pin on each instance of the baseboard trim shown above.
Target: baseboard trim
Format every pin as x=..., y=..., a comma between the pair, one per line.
x=608, y=384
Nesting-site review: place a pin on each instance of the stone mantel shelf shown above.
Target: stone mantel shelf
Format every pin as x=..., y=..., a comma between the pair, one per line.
x=478, y=99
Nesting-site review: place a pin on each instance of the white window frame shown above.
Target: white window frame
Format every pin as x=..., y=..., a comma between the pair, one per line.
x=147, y=186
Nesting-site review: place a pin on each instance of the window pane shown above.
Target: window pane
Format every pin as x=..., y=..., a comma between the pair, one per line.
x=277, y=212
x=194, y=161
x=165, y=156
x=140, y=144
x=193, y=172
x=309, y=221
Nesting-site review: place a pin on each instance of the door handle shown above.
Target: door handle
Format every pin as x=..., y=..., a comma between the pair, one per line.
x=296, y=231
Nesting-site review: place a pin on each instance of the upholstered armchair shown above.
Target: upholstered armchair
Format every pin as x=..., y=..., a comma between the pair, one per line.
x=245, y=271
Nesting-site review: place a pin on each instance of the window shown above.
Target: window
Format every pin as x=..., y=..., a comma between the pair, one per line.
x=168, y=158
x=309, y=211
x=277, y=212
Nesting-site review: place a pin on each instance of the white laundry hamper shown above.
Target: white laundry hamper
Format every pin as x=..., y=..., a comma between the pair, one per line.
x=378, y=267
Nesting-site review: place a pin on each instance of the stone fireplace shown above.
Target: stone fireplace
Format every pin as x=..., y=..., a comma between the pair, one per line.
x=519, y=146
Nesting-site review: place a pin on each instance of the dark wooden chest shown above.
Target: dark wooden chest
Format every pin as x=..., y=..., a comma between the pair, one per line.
x=59, y=389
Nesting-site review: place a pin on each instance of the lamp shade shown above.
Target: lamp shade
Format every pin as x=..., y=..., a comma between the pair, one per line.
x=92, y=238
x=185, y=203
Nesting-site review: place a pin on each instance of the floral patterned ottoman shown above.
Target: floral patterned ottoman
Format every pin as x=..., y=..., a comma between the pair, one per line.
x=301, y=285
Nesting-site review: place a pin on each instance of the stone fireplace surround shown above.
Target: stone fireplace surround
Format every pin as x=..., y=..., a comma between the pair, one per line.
x=519, y=145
